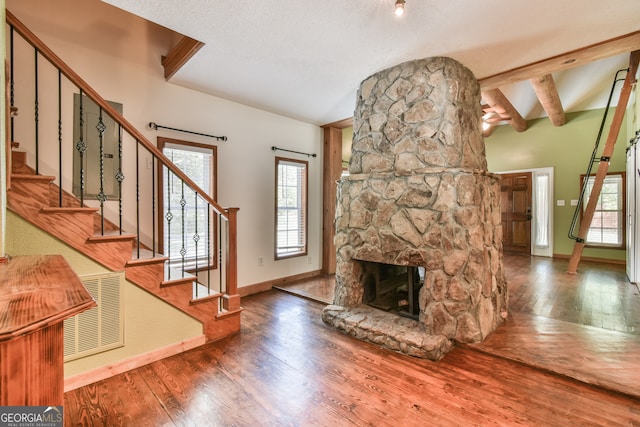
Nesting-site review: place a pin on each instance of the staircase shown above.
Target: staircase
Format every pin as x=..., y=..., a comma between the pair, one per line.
x=41, y=200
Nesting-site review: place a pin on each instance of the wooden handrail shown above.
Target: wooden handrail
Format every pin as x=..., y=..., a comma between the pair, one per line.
x=44, y=50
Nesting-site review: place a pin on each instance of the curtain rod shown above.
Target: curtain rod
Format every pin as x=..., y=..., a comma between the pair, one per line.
x=274, y=148
x=155, y=126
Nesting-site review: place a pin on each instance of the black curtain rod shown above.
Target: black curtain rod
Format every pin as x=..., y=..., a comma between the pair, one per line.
x=156, y=126
x=274, y=148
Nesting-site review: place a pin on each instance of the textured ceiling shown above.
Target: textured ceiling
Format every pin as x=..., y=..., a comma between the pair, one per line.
x=306, y=58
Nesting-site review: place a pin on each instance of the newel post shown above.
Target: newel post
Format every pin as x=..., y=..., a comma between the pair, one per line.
x=231, y=299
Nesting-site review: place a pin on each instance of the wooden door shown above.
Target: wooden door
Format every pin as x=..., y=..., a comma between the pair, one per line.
x=516, y=212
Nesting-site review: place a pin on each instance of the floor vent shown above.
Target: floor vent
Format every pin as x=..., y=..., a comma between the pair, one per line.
x=100, y=328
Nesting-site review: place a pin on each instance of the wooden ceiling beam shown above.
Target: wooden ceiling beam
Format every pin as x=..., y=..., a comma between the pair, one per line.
x=501, y=105
x=623, y=44
x=340, y=124
x=547, y=93
x=179, y=55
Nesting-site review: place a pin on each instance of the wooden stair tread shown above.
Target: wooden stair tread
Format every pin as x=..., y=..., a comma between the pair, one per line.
x=207, y=298
x=111, y=237
x=146, y=258
x=229, y=313
x=69, y=209
x=177, y=282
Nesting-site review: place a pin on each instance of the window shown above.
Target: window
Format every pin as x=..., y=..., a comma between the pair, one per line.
x=291, y=208
x=607, y=226
x=541, y=203
x=188, y=230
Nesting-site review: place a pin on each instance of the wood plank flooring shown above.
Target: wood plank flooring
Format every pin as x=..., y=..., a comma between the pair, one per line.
x=287, y=368
x=599, y=295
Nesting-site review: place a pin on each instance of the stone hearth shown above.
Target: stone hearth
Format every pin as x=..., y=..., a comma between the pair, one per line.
x=419, y=194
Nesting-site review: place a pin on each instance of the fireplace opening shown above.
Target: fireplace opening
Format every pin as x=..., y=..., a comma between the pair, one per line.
x=393, y=288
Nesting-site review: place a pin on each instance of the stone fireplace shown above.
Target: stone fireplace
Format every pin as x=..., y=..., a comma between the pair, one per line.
x=418, y=232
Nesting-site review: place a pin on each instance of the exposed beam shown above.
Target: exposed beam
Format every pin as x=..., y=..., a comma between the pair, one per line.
x=340, y=124
x=179, y=55
x=547, y=93
x=623, y=44
x=501, y=105
x=575, y=58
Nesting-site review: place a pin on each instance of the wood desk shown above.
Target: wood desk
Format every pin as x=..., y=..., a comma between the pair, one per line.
x=37, y=293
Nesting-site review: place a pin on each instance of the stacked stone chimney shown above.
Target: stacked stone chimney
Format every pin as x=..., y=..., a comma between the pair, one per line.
x=418, y=194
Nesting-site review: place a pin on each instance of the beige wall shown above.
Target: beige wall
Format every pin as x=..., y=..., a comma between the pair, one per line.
x=149, y=323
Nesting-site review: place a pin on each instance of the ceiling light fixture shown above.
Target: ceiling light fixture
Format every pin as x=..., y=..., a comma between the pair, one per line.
x=399, y=8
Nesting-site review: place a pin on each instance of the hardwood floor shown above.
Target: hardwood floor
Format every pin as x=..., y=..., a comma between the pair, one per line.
x=599, y=295
x=288, y=368
x=316, y=288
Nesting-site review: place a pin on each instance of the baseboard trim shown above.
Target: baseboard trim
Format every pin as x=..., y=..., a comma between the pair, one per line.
x=269, y=284
x=593, y=259
x=107, y=371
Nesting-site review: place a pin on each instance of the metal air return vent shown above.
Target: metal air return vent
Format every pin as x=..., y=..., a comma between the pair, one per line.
x=100, y=328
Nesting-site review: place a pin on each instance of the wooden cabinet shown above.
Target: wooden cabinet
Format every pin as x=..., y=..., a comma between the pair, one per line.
x=36, y=294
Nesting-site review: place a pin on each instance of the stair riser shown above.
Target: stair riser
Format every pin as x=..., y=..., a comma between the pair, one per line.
x=146, y=276
x=222, y=327
x=19, y=162
x=76, y=226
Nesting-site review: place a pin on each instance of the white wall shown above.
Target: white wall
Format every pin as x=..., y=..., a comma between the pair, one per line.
x=119, y=55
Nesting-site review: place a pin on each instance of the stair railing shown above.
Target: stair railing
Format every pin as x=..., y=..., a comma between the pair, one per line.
x=221, y=223
x=594, y=159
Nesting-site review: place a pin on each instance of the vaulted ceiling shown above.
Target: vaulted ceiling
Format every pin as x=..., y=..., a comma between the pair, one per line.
x=305, y=59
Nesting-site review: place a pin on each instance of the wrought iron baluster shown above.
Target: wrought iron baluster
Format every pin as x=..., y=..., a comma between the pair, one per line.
x=169, y=218
x=11, y=83
x=120, y=177
x=81, y=147
x=183, y=250
x=138, y=198
x=196, y=238
x=36, y=112
x=102, y=197
x=60, y=137
x=208, y=248
x=222, y=283
x=153, y=205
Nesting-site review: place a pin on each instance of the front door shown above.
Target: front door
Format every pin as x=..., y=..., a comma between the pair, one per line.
x=516, y=212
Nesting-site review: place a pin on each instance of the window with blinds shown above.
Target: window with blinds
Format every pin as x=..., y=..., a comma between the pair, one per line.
x=607, y=226
x=190, y=215
x=291, y=208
